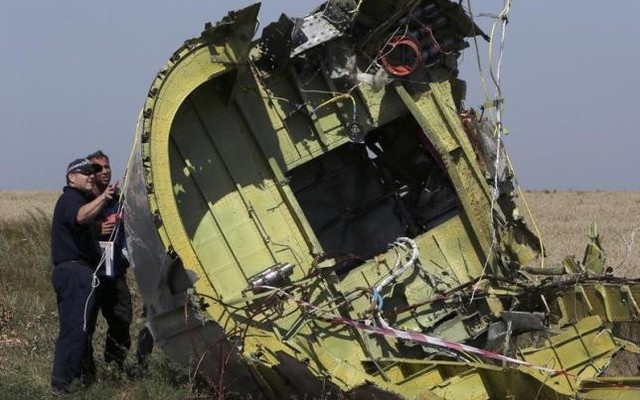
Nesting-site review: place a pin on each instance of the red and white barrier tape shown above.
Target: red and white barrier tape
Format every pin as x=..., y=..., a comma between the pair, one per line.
x=434, y=341
x=418, y=337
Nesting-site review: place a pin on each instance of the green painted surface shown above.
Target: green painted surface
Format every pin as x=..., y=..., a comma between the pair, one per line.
x=249, y=170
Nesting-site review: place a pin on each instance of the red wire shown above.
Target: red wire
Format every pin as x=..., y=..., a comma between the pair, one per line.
x=402, y=69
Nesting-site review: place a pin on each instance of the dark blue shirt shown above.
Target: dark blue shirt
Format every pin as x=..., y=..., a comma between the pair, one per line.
x=70, y=240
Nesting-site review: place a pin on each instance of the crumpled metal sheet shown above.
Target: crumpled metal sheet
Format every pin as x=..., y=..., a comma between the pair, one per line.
x=328, y=23
x=174, y=321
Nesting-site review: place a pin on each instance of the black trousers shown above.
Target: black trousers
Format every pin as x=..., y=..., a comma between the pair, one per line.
x=77, y=311
x=114, y=300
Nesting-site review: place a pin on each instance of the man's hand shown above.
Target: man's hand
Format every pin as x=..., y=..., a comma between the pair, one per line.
x=110, y=191
x=89, y=211
x=106, y=227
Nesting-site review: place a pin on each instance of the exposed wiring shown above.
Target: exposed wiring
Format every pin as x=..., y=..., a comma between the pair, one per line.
x=503, y=17
x=628, y=246
x=336, y=98
x=95, y=281
x=357, y=9
x=429, y=30
x=477, y=51
x=270, y=96
x=495, y=73
x=499, y=126
x=412, y=249
x=404, y=42
x=529, y=213
x=410, y=246
x=379, y=301
x=407, y=335
x=392, y=20
x=387, y=42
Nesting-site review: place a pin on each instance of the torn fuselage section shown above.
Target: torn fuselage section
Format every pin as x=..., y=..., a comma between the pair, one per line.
x=360, y=197
x=348, y=224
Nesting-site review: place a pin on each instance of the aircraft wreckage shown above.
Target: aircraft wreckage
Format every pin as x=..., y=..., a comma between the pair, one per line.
x=314, y=214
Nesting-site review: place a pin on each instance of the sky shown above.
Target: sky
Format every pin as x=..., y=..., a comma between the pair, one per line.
x=74, y=75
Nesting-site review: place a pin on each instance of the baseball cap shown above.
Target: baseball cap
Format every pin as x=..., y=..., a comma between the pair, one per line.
x=83, y=165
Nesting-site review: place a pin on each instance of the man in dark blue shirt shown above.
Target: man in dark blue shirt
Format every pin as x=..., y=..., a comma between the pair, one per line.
x=114, y=296
x=76, y=254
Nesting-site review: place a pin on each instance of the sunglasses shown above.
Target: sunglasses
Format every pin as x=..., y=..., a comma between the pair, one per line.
x=83, y=172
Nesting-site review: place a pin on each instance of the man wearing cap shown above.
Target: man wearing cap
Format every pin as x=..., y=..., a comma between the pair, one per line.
x=76, y=254
x=114, y=296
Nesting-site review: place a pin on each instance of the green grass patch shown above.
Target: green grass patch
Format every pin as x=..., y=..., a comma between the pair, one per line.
x=29, y=327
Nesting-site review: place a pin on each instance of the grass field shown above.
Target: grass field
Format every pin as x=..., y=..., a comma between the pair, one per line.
x=29, y=320
x=28, y=317
x=563, y=218
x=17, y=205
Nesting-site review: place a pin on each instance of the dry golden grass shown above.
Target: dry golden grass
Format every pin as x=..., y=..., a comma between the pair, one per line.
x=563, y=218
x=28, y=321
x=16, y=205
